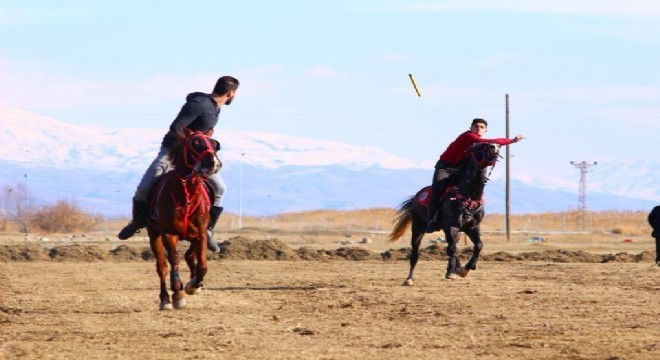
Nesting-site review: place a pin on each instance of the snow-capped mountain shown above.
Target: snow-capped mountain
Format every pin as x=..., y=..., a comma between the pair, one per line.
x=88, y=147
x=100, y=167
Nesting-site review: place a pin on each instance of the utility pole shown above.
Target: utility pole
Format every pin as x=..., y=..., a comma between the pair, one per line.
x=582, y=193
x=240, y=192
x=506, y=192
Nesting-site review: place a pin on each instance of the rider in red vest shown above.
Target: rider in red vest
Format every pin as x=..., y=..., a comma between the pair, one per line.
x=450, y=160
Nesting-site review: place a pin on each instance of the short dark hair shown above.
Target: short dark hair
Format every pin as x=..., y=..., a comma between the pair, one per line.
x=479, y=120
x=225, y=84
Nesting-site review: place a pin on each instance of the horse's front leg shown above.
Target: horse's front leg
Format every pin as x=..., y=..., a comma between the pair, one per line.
x=453, y=264
x=418, y=231
x=191, y=260
x=196, y=259
x=156, y=244
x=178, y=297
x=475, y=236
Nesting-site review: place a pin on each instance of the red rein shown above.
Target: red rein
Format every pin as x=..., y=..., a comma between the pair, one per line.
x=198, y=195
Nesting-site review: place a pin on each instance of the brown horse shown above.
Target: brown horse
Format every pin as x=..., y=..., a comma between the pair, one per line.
x=460, y=210
x=179, y=205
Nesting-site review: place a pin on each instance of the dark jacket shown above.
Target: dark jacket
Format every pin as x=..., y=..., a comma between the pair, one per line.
x=654, y=221
x=199, y=113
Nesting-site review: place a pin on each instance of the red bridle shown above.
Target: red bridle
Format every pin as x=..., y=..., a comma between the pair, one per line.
x=188, y=149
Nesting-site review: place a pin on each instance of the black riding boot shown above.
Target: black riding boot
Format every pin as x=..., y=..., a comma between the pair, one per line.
x=139, y=220
x=432, y=222
x=215, y=214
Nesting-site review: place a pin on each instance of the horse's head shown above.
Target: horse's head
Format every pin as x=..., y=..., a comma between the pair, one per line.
x=196, y=153
x=484, y=154
x=481, y=156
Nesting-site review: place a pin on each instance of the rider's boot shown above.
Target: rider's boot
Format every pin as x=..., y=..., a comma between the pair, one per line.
x=215, y=214
x=432, y=224
x=139, y=220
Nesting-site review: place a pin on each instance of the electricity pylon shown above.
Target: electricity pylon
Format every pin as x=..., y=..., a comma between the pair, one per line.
x=582, y=193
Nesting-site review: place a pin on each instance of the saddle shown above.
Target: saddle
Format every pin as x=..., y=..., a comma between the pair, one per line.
x=424, y=196
x=451, y=190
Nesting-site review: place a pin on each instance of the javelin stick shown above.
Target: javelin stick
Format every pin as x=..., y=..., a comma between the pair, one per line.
x=412, y=79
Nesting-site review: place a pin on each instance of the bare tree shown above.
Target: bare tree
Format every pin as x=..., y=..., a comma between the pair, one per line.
x=19, y=206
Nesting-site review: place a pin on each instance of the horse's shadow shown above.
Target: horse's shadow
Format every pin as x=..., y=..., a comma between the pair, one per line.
x=273, y=288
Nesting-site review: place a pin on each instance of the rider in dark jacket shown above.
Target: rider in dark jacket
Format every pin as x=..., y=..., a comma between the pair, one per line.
x=654, y=221
x=199, y=113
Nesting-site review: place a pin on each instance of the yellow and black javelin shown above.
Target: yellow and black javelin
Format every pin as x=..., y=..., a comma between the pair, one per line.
x=412, y=79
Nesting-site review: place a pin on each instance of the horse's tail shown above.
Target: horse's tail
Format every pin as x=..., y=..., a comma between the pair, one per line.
x=404, y=217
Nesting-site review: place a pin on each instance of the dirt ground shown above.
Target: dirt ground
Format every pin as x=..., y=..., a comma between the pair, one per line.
x=316, y=297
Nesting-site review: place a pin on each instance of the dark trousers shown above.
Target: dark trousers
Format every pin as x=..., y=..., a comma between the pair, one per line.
x=441, y=177
x=656, y=235
x=654, y=221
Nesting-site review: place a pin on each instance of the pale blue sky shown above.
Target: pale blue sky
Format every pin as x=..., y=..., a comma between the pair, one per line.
x=583, y=76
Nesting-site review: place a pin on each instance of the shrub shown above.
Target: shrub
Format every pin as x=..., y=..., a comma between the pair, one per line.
x=62, y=217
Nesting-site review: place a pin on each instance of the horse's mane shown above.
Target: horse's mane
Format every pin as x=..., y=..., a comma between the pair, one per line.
x=175, y=153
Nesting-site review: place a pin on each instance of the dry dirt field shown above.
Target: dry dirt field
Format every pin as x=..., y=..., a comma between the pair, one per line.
x=313, y=295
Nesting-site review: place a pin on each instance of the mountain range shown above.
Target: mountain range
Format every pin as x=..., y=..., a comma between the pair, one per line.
x=266, y=173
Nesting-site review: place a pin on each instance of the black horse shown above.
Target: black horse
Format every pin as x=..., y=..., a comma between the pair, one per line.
x=461, y=209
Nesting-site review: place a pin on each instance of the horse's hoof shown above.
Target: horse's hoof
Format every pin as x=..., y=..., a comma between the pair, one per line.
x=165, y=306
x=180, y=303
x=451, y=276
x=191, y=290
x=408, y=282
x=463, y=272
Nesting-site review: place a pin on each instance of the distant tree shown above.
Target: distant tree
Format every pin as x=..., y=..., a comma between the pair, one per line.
x=63, y=217
x=4, y=222
x=19, y=206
